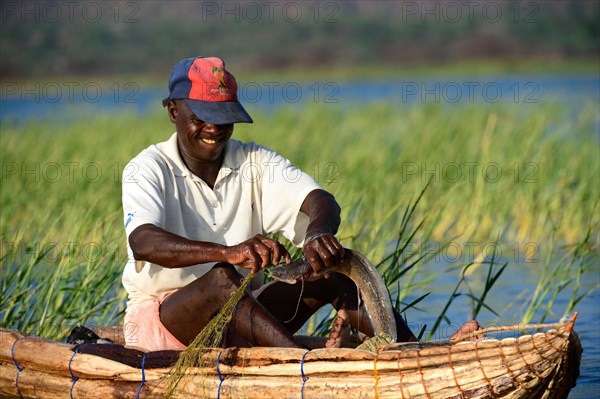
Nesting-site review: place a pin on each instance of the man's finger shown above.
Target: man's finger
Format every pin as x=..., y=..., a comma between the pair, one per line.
x=253, y=259
x=280, y=252
x=277, y=249
x=264, y=252
x=327, y=257
x=334, y=247
x=339, y=247
x=313, y=260
x=320, y=246
x=267, y=241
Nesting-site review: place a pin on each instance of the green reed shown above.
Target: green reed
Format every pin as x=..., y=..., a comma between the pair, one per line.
x=559, y=274
x=62, y=237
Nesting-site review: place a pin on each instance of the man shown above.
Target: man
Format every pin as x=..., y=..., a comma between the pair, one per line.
x=197, y=210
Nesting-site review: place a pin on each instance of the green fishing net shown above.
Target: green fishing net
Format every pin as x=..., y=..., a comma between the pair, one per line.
x=211, y=336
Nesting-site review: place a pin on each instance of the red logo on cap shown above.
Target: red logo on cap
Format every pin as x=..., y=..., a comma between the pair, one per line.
x=218, y=72
x=211, y=81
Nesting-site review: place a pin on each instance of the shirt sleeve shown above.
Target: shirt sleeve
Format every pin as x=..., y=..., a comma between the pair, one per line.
x=143, y=196
x=284, y=188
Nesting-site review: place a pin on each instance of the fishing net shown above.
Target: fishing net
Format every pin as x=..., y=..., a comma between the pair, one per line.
x=371, y=344
x=211, y=336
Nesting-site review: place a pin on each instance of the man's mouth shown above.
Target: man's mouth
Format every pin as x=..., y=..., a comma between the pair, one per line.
x=209, y=141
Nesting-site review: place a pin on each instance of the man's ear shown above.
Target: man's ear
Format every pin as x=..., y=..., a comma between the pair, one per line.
x=172, y=110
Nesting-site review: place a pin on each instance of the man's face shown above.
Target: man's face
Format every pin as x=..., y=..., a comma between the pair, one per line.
x=198, y=140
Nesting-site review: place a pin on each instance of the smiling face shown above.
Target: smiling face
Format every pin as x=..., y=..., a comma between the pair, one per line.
x=200, y=143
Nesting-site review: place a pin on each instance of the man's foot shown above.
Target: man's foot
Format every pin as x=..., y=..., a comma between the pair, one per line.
x=340, y=331
x=466, y=332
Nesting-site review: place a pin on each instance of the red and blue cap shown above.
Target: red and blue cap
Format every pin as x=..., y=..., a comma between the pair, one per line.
x=208, y=89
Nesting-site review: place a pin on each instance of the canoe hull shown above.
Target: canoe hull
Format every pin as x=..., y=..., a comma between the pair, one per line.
x=541, y=365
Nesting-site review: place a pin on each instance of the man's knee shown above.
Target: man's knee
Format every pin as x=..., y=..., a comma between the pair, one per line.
x=224, y=276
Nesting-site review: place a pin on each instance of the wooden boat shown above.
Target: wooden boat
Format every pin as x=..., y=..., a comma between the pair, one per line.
x=537, y=365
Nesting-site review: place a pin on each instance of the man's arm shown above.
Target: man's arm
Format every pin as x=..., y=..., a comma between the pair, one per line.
x=158, y=246
x=321, y=248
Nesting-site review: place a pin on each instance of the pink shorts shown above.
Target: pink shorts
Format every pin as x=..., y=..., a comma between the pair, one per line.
x=144, y=329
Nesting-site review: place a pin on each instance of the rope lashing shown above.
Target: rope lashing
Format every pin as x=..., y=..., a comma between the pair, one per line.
x=71, y=371
x=376, y=376
x=220, y=376
x=304, y=377
x=143, y=377
x=19, y=368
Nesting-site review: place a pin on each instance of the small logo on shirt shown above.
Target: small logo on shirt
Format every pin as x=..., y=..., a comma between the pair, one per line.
x=129, y=217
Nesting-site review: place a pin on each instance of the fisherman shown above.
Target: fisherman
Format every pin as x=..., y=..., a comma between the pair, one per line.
x=198, y=208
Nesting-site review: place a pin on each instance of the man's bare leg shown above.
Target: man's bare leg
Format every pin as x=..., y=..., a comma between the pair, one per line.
x=282, y=300
x=187, y=311
x=339, y=333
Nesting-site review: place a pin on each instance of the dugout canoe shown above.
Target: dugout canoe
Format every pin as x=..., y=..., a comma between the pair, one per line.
x=531, y=365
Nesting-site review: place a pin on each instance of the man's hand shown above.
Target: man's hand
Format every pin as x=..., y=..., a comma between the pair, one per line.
x=323, y=251
x=257, y=253
x=321, y=248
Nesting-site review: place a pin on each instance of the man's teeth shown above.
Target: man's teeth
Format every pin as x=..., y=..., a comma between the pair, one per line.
x=207, y=141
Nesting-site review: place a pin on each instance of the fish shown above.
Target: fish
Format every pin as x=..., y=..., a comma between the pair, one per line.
x=375, y=295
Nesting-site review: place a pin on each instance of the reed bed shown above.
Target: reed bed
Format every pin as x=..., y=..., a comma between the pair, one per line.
x=494, y=174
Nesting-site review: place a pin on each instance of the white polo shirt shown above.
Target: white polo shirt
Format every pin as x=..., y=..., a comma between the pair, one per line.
x=257, y=191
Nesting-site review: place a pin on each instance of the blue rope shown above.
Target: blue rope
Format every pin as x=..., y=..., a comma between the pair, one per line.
x=71, y=372
x=143, y=377
x=220, y=376
x=304, y=377
x=19, y=368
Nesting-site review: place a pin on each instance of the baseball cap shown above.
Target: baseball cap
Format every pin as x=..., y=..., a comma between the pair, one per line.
x=208, y=89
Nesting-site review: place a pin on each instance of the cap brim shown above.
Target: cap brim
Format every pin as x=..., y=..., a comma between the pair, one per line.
x=219, y=113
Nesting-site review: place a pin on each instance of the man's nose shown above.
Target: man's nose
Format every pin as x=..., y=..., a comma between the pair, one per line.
x=212, y=128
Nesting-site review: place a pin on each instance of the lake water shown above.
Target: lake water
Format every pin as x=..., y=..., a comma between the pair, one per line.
x=60, y=101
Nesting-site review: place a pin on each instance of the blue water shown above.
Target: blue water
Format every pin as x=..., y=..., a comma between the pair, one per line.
x=60, y=101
